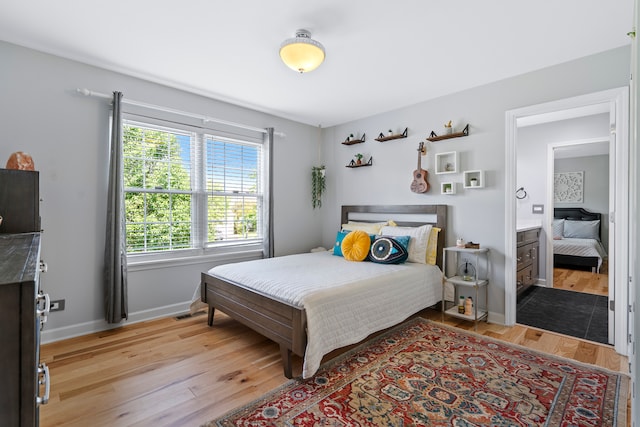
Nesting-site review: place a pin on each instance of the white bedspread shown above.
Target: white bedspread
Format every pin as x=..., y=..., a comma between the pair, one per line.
x=344, y=301
x=580, y=247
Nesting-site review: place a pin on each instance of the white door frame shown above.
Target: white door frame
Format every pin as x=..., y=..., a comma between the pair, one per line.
x=618, y=100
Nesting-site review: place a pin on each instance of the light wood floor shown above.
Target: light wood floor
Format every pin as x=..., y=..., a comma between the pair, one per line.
x=171, y=372
x=582, y=281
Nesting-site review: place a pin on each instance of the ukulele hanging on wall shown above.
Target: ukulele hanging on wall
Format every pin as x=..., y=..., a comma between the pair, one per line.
x=420, y=184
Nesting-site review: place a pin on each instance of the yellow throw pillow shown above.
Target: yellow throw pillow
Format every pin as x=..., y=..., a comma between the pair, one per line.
x=432, y=246
x=356, y=245
x=369, y=227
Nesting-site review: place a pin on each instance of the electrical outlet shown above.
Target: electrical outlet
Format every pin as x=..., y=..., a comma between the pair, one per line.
x=57, y=305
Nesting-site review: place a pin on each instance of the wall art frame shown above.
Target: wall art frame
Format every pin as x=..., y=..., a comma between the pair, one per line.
x=568, y=187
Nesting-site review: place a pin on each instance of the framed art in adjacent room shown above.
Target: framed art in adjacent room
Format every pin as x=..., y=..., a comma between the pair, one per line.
x=568, y=187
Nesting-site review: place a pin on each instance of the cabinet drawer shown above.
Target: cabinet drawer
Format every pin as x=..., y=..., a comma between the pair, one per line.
x=532, y=235
x=528, y=236
x=525, y=276
x=525, y=255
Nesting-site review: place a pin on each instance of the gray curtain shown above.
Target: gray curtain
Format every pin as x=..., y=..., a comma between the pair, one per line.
x=115, y=252
x=268, y=197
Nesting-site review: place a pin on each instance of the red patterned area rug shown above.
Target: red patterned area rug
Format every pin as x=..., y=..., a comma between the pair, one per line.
x=422, y=373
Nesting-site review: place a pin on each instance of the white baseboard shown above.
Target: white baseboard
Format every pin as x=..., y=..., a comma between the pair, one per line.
x=57, y=334
x=497, y=318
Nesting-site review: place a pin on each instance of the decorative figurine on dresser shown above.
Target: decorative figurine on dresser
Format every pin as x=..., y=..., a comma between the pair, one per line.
x=24, y=381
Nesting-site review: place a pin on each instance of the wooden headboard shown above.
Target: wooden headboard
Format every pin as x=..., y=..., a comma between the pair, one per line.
x=403, y=215
x=578, y=214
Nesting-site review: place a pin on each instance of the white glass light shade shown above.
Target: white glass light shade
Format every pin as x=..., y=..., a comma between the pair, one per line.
x=302, y=53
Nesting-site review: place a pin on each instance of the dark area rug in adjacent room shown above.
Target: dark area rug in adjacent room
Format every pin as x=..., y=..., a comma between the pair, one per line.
x=570, y=313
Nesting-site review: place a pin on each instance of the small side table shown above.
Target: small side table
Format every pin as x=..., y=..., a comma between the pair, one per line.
x=471, y=285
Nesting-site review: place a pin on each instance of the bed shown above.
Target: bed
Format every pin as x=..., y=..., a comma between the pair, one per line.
x=365, y=297
x=576, y=239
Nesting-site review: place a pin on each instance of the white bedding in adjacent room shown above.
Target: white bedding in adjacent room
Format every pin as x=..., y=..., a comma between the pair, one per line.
x=580, y=247
x=345, y=301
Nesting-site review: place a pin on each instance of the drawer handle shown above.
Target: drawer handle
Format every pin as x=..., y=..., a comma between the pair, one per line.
x=47, y=307
x=519, y=259
x=43, y=379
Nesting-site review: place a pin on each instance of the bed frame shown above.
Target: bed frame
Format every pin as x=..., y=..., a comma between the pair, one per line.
x=285, y=323
x=572, y=261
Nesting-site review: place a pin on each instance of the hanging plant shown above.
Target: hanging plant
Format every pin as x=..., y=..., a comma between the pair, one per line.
x=317, y=185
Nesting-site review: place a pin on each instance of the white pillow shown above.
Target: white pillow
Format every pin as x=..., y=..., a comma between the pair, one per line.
x=418, y=242
x=367, y=227
x=558, y=228
x=582, y=229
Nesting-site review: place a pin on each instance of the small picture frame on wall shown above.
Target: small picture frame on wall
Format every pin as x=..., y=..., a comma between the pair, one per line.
x=568, y=187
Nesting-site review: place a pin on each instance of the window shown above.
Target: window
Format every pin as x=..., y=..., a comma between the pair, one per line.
x=189, y=190
x=233, y=190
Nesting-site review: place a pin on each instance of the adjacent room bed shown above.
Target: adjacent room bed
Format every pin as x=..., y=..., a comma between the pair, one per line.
x=577, y=239
x=311, y=304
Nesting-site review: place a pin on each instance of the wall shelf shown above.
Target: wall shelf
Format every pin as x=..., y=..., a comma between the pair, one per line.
x=354, y=141
x=446, y=162
x=448, y=188
x=433, y=137
x=353, y=164
x=470, y=176
x=382, y=138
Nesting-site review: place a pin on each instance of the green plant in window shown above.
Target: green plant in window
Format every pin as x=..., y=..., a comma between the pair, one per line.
x=317, y=185
x=158, y=217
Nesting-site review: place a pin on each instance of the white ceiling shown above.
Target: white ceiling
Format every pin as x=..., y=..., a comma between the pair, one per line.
x=381, y=55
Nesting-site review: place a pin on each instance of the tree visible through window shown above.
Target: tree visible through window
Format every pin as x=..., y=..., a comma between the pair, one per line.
x=233, y=189
x=165, y=188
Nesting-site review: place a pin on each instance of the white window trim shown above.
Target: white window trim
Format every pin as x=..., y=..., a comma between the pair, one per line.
x=202, y=250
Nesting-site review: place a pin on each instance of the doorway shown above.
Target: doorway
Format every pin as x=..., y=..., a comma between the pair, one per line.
x=614, y=104
x=571, y=296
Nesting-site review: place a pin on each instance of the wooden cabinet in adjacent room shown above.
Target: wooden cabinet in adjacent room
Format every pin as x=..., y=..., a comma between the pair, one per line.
x=528, y=247
x=24, y=381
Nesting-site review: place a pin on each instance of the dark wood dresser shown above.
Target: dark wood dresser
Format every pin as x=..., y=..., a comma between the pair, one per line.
x=24, y=381
x=528, y=245
x=22, y=311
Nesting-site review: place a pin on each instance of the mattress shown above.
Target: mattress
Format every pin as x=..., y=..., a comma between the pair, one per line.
x=580, y=248
x=344, y=301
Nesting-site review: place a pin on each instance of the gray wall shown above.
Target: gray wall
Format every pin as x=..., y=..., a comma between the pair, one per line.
x=595, y=190
x=476, y=214
x=67, y=135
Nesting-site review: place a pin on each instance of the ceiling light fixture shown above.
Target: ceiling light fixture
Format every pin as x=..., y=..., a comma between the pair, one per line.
x=302, y=53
